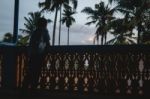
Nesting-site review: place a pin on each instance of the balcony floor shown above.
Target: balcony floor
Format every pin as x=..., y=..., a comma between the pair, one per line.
x=15, y=94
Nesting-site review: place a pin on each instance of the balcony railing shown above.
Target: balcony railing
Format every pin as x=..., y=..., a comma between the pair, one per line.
x=88, y=69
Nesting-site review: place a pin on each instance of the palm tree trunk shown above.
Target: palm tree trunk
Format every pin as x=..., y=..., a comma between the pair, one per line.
x=94, y=41
x=68, y=37
x=138, y=39
x=102, y=39
x=105, y=37
x=103, y=34
x=97, y=39
x=54, y=28
x=139, y=34
x=60, y=25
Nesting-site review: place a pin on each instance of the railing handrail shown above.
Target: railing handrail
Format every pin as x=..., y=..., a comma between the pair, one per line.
x=89, y=48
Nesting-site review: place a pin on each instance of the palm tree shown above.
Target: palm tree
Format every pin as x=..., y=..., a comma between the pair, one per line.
x=122, y=39
x=122, y=29
x=138, y=10
x=68, y=19
x=8, y=37
x=100, y=16
x=30, y=24
x=66, y=6
x=55, y=5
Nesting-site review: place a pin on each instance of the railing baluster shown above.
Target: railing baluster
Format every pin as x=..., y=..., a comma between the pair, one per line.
x=89, y=69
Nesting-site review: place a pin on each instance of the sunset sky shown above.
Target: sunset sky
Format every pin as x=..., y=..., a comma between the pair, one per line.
x=80, y=34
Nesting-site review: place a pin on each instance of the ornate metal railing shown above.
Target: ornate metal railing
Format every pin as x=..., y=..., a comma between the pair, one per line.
x=89, y=69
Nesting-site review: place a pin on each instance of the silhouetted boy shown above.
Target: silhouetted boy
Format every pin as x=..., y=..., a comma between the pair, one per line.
x=39, y=42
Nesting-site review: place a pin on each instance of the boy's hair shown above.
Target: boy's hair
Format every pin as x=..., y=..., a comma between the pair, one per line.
x=41, y=23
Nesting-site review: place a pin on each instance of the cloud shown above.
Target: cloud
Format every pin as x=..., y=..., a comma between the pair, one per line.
x=88, y=40
x=78, y=29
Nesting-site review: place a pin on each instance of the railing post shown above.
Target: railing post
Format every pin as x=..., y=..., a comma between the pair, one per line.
x=9, y=66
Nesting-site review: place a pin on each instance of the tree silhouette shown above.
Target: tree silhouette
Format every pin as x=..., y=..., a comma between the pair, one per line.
x=138, y=10
x=30, y=25
x=56, y=5
x=68, y=20
x=122, y=29
x=100, y=16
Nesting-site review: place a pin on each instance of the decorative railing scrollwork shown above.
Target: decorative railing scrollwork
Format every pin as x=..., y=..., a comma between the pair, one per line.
x=92, y=69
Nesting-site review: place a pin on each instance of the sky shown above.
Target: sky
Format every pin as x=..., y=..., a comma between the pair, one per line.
x=80, y=34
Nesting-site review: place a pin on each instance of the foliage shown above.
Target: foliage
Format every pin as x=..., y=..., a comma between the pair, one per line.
x=30, y=25
x=101, y=15
x=136, y=18
x=31, y=22
x=68, y=19
x=8, y=37
x=137, y=10
x=56, y=5
x=22, y=40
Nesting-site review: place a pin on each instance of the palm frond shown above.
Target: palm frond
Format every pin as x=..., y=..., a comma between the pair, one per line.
x=88, y=10
x=111, y=42
x=91, y=22
x=75, y=3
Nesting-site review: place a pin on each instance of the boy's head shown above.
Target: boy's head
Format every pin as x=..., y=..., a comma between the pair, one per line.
x=42, y=23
